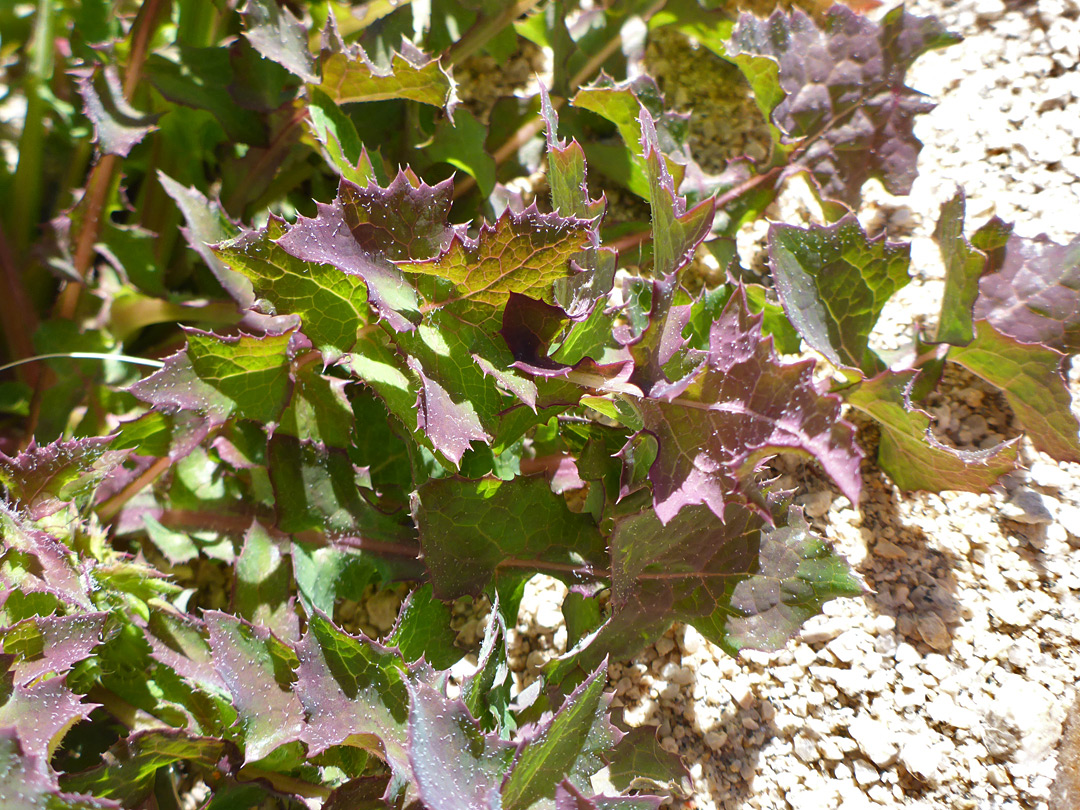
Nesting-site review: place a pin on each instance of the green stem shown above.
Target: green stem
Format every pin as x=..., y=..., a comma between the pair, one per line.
x=485, y=29
x=28, y=175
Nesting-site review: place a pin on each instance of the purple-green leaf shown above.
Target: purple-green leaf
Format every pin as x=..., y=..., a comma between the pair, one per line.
x=51, y=644
x=118, y=127
x=456, y=765
x=42, y=480
x=275, y=33
x=257, y=669
x=1031, y=292
x=834, y=282
x=353, y=692
x=1030, y=376
x=909, y=451
x=35, y=562
x=740, y=407
x=469, y=529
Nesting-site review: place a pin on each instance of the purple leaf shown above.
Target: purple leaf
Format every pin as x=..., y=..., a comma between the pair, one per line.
x=44, y=479
x=910, y=453
x=1030, y=292
x=740, y=408
x=256, y=669
x=28, y=785
x=845, y=103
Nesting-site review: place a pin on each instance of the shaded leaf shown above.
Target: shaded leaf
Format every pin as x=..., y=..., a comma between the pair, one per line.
x=261, y=589
x=834, y=282
x=909, y=451
x=468, y=529
x=208, y=224
x=423, y=630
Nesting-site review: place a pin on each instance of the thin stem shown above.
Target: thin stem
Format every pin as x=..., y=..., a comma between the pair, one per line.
x=123, y=358
x=108, y=510
x=484, y=29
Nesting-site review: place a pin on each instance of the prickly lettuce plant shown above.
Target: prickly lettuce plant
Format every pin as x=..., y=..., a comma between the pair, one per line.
x=398, y=338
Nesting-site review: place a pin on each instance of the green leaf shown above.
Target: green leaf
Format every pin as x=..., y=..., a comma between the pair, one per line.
x=469, y=529
x=338, y=135
x=834, y=282
x=261, y=585
x=462, y=145
x=251, y=373
x=351, y=76
x=423, y=630
x=555, y=745
x=1030, y=376
x=963, y=267
x=910, y=453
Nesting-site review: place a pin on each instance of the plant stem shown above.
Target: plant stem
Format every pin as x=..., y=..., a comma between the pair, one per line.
x=16, y=312
x=485, y=28
x=108, y=510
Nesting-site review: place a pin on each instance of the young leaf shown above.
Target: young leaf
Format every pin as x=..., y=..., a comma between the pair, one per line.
x=1030, y=292
x=51, y=644
x=257, y=669
x=41, y=713
x=350, y=76
x=963, y=267
x=35, y=562
x=737, y=409
x=469, y=528
x=44, y=479
x=834, y=282
x=910, y=453
x=844, y=98
x=1030, y=377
